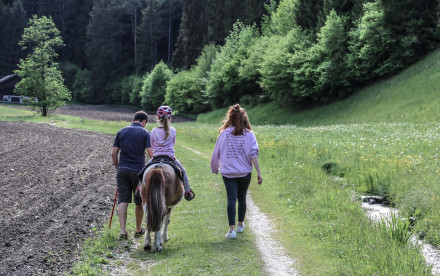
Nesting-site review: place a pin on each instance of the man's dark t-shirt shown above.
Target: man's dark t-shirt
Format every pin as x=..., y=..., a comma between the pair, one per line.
x=132, y=142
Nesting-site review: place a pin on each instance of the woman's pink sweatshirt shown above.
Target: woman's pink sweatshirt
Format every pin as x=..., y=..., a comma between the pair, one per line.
x=234, y=153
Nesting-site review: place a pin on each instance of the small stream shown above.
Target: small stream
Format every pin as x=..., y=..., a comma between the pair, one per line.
x=376, y=211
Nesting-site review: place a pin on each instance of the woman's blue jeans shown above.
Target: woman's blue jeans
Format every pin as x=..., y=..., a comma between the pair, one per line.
x=236, y=189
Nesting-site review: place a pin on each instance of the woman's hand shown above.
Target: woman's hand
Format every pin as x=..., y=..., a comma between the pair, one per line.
x=260, y=179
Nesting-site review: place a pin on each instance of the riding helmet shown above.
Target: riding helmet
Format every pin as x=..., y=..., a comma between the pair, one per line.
x=163, y=111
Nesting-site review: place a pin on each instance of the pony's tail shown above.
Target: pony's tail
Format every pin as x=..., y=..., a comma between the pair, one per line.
x=156, y=204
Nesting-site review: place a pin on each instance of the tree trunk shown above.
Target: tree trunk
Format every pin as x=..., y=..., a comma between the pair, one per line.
x=135, y=41
x=169, y=31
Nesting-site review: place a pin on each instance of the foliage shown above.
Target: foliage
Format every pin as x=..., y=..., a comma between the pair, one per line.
x=186, y=90
x=225, y=85
x=371, y=44
x=82, y=85
x=12, y=23
x=135, y=93
x=41, y=78
x=285, y=73
x=283, y=19
x=154, y=87
x=331, y=48
x=104, y=47
x=122, y=90
x=398, y=229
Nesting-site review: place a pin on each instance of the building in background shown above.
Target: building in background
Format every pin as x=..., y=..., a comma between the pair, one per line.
x=7, y=85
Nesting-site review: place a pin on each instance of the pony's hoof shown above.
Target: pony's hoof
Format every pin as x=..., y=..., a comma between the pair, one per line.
x=147, y=247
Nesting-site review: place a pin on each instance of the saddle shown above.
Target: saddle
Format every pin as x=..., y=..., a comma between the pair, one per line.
x=158, y=161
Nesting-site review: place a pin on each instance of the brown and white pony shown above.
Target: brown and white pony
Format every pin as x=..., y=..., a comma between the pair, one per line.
x=161, y=190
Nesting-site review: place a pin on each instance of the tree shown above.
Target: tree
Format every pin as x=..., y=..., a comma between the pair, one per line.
x=104, y=50
x=41, y=78
x=154, y=87
x=150, y=32
x=225, y=85
x=133, y=8
x=192, y=33
x=12, y=23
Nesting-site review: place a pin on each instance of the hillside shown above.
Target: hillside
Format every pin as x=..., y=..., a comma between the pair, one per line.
x=410, y=96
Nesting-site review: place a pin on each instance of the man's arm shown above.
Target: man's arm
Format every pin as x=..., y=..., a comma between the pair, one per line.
x=150, y=152
x=115, y=152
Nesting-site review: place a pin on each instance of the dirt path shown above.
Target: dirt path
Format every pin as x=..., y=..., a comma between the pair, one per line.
x=56, y=186
x=276, y=261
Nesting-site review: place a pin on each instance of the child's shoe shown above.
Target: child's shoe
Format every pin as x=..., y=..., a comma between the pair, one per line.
x=231, y=235
x=190, y=195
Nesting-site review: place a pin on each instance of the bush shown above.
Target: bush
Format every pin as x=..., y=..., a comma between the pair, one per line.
x=186, y=90
x=122, y=89
x=286, y=74
x=135, y=93
x=154, y=87
x=370, y=44
x=82, y=86
x=225, y=86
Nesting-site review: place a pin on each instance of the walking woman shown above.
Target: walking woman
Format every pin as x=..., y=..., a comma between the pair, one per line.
x=236, y=151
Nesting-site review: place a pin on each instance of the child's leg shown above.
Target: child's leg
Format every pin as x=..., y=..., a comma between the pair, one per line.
x=185, y=176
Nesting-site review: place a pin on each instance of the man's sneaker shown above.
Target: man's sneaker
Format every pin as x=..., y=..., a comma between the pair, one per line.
x=231, y=235
x=240, y=228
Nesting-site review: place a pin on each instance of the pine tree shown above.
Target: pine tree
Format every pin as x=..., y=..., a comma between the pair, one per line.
x=150, y=32
x=74, y=32
x=104, y=50
x=12, y=23
x=192, y=33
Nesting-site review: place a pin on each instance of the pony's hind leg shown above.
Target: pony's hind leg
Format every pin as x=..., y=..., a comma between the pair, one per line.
x=155, y=246
x=167, y=221
x=147, y=239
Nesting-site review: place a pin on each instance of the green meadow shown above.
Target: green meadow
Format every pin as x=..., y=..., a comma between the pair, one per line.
x=316, y=163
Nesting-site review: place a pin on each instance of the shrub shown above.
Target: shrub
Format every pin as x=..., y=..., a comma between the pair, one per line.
x=82, y=86
x=225, y=86
x=154, y=87
x=186, y=90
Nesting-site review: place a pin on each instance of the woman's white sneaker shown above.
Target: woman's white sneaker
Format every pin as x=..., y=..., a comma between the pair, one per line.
x=231, y=235
x=240, y=228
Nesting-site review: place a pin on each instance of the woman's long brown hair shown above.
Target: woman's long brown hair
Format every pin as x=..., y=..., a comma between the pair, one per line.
x=237, y=118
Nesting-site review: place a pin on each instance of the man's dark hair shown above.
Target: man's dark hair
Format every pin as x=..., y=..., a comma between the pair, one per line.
x=140, y=116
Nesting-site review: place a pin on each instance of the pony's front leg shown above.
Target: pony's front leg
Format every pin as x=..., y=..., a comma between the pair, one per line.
x=155, y=247
x=147, y=241
x=167, y=221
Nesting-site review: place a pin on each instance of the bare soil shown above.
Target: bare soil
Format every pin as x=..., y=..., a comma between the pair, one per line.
x=109, y=113
x=56, y=185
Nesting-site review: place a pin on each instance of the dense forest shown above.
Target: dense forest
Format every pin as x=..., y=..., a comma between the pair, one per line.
x=198, y=55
